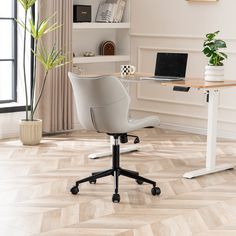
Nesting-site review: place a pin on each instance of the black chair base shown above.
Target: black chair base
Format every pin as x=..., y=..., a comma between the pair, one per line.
x=116, y=171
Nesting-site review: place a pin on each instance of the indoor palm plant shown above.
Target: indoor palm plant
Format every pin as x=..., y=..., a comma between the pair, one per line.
x=31, y=128
x=214, y=71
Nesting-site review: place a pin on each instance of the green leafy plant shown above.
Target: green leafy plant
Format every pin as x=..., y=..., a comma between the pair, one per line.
x=49, y=58
x=212, y=47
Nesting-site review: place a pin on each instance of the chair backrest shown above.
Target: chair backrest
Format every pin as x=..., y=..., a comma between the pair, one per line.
x=102, y=103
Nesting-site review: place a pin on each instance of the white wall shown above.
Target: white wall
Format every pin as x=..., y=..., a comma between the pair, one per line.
x=180, y=26
x=9, y=124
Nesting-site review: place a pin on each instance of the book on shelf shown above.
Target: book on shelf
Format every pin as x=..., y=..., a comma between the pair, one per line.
x=111, y=11
x=104, y=13
x=115, y=8
x=120, y=11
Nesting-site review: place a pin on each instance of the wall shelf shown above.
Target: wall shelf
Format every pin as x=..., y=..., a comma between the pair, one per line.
x=95, y=25
x=100, y=59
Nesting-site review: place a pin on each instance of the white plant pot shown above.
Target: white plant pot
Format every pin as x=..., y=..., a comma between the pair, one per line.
x=30, y=132
x=214, y=73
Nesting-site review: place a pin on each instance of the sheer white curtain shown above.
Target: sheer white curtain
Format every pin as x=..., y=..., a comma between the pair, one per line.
x=56, y=106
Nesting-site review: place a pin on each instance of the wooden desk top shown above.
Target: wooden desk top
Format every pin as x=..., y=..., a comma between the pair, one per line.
x=200, y=83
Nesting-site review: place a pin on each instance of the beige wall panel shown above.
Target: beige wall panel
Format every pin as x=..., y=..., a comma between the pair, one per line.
x=180, y=26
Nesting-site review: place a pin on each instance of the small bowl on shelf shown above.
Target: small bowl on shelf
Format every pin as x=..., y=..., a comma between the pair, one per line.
x=88, y=54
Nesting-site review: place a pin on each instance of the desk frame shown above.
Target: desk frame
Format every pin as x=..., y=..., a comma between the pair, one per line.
x=212, y=89
x=211, y=166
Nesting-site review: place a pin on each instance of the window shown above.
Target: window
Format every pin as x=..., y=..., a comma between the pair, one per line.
x=8, y=51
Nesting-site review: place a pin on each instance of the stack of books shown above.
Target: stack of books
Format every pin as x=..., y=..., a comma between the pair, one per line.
x=111, y=11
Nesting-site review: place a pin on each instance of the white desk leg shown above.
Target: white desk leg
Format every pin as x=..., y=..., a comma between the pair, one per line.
x=131, y=148
x=211, y=166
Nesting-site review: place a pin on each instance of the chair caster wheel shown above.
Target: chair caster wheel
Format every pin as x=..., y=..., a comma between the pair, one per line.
x=93, y=181
x=156, y=191
x=116, y=198
x=74, y=190
x=140, y=182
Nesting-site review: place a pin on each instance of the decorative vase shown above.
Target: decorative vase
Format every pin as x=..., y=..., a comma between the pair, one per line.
x=30, y=132
x=214, y=73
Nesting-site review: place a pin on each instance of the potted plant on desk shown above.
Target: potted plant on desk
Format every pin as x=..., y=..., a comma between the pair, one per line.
x=214, y=71
x=31, y=128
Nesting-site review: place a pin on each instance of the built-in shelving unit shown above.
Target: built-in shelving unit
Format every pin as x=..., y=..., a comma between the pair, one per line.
x=87, y=37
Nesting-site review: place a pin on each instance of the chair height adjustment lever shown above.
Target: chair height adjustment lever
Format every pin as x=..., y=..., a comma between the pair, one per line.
x=124, y=138
x=136, y=138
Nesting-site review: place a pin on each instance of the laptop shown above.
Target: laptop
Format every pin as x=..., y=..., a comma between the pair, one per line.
x=170, y=67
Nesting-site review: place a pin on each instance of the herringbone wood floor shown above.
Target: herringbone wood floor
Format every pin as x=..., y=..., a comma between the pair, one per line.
x=35, y=183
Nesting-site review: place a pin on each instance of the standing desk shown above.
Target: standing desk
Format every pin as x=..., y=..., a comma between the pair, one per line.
x=212, y=89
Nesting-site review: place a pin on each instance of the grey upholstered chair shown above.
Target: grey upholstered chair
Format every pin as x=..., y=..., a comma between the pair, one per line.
x=102, y=105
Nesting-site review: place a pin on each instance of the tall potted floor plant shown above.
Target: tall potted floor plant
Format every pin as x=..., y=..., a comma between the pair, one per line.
x=214, y=71
x=31, y=128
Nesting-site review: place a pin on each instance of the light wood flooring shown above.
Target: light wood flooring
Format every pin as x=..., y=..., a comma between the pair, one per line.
x=35, y=184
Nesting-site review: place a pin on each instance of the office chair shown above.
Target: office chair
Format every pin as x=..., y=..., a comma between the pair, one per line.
x=102, y=105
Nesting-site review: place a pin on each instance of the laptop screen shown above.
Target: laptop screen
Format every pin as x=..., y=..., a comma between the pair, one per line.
x=171, y=64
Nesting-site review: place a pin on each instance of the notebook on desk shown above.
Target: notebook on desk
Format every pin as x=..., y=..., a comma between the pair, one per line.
x=169, y=67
